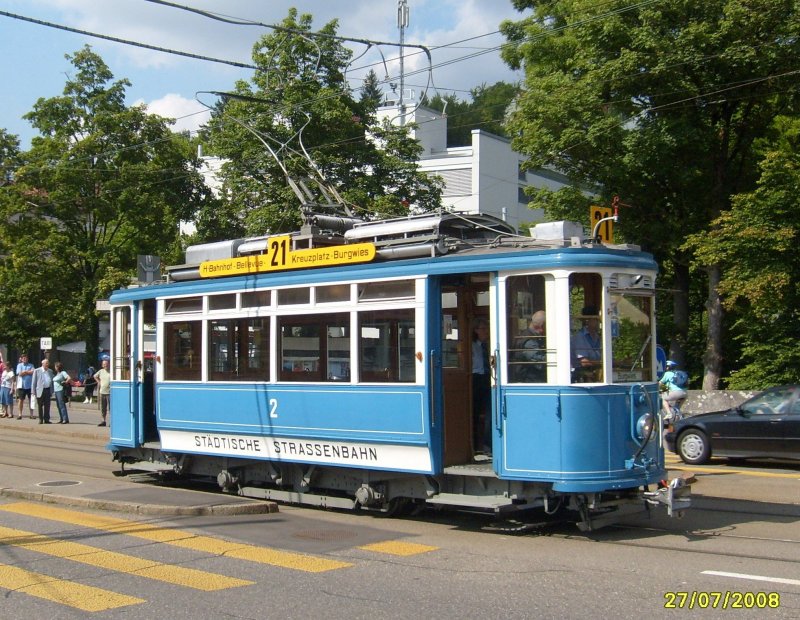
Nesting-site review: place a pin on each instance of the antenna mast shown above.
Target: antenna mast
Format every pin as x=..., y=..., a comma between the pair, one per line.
x=402, y=24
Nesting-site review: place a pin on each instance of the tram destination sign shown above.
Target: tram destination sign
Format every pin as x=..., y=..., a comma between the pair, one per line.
x=279, y=256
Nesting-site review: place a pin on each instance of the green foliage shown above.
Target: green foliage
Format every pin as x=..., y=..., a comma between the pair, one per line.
x=371, y=93
x=487, y=111
x=756, y=242
x=102, y=183
x=661, y=104
x=300, y=100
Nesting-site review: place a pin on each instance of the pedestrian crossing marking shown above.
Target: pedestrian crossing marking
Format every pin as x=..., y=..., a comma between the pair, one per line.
x=77, y=595
x=396, y=547
x=119, y=562
x=179, y=538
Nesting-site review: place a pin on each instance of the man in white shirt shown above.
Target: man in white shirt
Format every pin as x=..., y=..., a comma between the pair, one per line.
x=42, y=386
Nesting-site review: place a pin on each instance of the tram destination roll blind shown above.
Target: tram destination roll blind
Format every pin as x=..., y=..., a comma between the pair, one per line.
x=279, y=257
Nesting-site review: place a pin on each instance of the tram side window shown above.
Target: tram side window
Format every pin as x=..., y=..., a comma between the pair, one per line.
x=238, y=350
x=315, y=348
x=183, y=350
x=586, y=318
x=386, y=346
x=527, y=333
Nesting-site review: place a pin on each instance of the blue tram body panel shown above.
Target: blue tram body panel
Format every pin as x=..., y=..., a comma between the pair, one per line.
x=580, y=439
x=336, y=425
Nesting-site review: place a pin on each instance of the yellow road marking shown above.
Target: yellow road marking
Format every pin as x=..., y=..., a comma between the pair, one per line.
x=119, y=562
x=85, y=598
x=179, y=538
x=744, y=472
x=394, y=547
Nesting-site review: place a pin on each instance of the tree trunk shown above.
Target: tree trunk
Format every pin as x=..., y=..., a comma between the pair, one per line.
x=680, y=314
x=713, y=356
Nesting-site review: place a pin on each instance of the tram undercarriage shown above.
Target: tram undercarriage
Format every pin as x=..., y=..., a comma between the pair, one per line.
x=470, y=487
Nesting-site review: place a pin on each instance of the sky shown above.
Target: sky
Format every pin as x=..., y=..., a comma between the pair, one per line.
x=461, y=34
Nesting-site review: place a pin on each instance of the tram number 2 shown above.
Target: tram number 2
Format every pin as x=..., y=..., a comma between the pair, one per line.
x=273, y=407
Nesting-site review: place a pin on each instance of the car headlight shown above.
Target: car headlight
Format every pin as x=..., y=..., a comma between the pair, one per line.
x=645, y=425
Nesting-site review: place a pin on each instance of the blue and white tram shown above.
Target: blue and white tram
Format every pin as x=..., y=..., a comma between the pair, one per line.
x=337, y=370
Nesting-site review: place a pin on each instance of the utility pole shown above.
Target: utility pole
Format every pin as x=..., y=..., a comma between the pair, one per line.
x=402, y=24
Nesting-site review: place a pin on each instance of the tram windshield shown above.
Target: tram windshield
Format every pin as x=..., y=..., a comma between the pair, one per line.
x=586, y=329
x=627, y=313
x=630, y=318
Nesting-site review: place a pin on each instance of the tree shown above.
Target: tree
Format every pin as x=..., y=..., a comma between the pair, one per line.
x=9, y=156
x=102, y=183
x=300, y=102
x=756, y=244
x=660, y=103
x=371, y=93
x=487, y=111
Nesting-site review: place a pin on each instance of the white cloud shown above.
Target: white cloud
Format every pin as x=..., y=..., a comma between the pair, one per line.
x=189, y=114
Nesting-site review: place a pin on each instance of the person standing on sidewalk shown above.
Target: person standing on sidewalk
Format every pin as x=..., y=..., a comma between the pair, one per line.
x=103, y=378
x=24, y=377
x=7, y=393
x=89, y=383
x=42, y=387
x=60, y=382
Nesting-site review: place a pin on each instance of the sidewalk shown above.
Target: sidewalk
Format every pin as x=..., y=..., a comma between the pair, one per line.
x=123, y=494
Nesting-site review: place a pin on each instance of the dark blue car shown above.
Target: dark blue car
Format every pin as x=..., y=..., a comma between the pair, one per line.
x=767, y=425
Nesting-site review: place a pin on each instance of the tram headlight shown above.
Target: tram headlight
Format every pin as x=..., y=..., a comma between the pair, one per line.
x=645, y=425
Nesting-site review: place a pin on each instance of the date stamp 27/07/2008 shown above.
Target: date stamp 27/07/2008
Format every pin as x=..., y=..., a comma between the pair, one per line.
x=728, y=599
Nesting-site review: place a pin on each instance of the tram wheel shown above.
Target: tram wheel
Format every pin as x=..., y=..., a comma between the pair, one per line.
x=693, y=447
x=397, y=507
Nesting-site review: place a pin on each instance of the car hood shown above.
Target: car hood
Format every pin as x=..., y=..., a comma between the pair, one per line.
x=705, y=418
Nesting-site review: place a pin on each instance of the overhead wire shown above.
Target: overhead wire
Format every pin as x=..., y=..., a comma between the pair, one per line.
x=107, y=37
x=239, y=21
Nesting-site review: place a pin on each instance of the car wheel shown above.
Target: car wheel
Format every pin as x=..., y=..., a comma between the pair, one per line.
x=693, y=447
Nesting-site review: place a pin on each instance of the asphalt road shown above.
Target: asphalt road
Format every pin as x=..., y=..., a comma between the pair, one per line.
x=737, y=551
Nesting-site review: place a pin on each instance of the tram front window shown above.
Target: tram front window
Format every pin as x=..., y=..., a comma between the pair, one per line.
x=632, y=344
x=586, y=342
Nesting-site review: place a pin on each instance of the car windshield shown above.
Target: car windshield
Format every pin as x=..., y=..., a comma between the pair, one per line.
x=775, y=400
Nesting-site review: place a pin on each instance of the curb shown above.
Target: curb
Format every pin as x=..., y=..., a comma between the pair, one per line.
x=250, y=507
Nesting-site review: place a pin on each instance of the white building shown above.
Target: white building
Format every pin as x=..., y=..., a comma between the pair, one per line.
x=484, y=177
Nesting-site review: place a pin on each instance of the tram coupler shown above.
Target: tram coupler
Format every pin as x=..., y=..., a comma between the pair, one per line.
x=675, y=495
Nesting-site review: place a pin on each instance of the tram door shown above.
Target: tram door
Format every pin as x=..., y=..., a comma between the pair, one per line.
x=464, y=300
x=132, y=386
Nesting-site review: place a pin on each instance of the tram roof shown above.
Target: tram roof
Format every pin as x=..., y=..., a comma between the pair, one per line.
x=490, y=258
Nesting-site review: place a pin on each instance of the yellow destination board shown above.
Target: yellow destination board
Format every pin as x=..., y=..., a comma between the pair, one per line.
x=279, y=256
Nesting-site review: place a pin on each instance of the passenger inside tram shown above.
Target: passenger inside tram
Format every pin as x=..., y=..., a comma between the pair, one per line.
x=586, y=347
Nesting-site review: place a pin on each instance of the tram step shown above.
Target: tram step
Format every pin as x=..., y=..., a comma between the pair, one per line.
x=483, y=502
